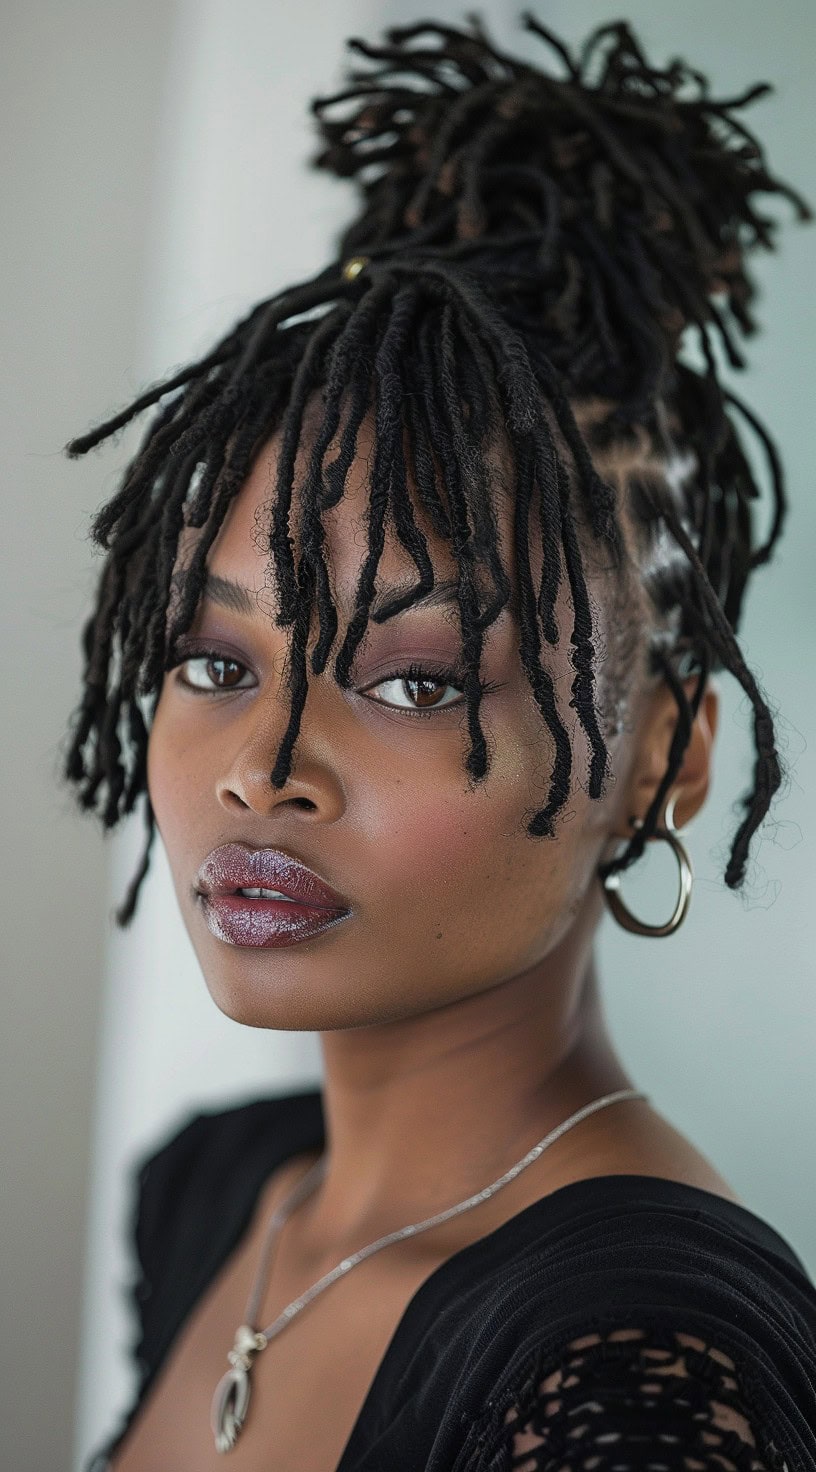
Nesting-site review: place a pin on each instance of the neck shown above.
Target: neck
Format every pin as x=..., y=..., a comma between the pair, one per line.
x=424, y=1111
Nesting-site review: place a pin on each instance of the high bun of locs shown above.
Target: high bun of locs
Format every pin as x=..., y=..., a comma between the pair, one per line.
x=531, y=238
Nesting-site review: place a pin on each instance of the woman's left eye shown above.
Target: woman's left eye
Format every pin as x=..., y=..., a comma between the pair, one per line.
x=417, y=682
x=210, y=672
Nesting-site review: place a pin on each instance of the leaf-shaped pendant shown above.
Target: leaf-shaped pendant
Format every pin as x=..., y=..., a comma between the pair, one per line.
x=231, y=1398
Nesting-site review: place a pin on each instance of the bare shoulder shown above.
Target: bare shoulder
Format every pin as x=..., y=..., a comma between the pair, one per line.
x=651, y=1145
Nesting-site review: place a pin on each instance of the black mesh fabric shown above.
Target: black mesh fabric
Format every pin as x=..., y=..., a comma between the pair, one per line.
x=620, y=1322
x=631, y=1398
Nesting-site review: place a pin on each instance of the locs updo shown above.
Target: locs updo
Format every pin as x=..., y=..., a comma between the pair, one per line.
x=527, y=242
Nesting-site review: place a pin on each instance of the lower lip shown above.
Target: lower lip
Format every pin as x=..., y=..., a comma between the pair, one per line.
x=241, y=921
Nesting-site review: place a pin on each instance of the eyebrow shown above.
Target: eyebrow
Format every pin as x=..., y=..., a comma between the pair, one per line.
x=243, y=600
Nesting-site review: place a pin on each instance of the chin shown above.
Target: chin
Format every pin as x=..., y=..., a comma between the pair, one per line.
x=276, y=1000
x=271, y=1002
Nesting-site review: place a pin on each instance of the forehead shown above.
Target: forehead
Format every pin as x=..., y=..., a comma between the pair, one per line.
x=241, y=549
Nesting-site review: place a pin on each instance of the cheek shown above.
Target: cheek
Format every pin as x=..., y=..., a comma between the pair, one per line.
x=171, y=778
x=461, y=864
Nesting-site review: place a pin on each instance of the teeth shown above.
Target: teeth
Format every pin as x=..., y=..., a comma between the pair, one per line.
x=265, y=894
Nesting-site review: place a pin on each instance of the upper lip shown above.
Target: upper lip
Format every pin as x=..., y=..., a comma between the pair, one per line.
x=235, y=866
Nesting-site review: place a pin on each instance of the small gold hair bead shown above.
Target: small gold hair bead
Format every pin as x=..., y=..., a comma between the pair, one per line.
x=353, y=266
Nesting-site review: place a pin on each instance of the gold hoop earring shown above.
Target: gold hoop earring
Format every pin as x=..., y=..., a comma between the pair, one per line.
x=611, y=882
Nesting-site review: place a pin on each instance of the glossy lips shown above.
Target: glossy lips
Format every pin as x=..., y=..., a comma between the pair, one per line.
x=241, y=920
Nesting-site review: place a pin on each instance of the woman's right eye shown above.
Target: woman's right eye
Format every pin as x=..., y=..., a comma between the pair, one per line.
x=210, y=672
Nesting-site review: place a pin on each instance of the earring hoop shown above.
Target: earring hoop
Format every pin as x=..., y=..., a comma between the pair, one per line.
x=611, y=882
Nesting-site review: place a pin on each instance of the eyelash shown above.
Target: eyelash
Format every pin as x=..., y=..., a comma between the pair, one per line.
x=440, y=676
x=413, y=672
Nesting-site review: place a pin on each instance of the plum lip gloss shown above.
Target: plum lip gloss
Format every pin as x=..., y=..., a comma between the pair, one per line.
x=264, y=897
x=243, y=921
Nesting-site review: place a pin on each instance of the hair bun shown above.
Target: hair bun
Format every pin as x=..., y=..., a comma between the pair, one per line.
x=609, y=193
x=525, y=239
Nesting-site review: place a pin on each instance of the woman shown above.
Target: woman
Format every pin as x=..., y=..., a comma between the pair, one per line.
x=467, y=463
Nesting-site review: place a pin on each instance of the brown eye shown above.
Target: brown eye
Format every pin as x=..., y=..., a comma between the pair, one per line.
x=426, y=692
x=425, y=689
x=212, y=672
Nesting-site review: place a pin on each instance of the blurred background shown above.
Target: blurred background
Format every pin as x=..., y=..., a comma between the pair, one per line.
x=155, y=185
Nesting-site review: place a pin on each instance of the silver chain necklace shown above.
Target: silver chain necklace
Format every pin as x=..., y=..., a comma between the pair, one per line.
x=231, y=1398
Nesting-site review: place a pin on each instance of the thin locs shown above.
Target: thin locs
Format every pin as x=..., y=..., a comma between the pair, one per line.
x=527, y=241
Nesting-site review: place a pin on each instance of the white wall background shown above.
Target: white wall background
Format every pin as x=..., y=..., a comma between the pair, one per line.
x=158, y=157
x=80, y=82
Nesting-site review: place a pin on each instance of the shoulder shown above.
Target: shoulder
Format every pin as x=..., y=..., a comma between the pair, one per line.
x=231, y=1122
x=173, y=1169
x=647, y=1143
x=644, y=1398
x=210, y=1140
x=659, y=1324
x=191, y=1192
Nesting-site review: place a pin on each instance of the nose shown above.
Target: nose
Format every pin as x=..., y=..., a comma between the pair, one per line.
x=245, y=785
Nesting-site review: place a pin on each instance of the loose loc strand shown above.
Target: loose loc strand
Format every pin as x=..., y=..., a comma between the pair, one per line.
x=528, y=240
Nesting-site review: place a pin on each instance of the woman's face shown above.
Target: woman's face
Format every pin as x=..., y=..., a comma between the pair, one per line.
x=449, y=896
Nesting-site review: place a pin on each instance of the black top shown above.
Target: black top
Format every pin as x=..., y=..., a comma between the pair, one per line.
x=606, y=1326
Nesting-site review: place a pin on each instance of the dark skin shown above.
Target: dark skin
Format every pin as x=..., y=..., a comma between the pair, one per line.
x=458, y=1006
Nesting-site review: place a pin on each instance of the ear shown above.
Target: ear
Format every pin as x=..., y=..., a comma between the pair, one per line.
x=654, y=740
